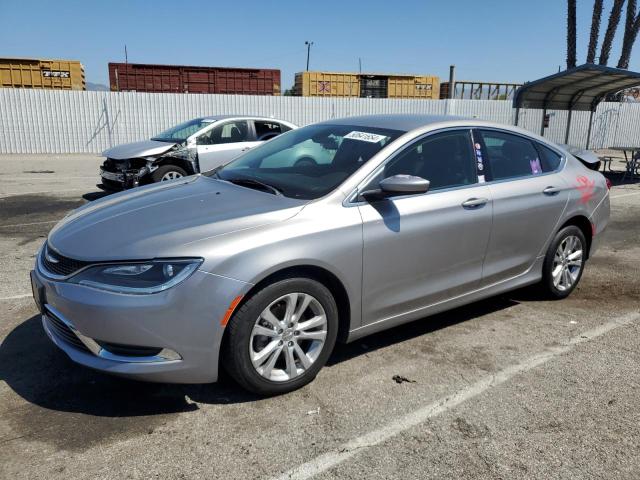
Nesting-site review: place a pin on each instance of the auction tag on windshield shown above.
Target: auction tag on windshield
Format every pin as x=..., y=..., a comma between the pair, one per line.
x=365, y=137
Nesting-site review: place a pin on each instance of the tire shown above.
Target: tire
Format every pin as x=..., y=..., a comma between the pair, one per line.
x=551, y=286
x=163, y=172
x=305, y=162
x=242, y=341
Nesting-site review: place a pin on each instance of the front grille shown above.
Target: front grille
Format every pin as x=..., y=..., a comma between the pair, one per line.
x=58, y=264
x=64, y=333
x=110, y=165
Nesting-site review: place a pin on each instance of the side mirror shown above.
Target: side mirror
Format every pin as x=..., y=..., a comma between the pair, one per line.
x=398, y=185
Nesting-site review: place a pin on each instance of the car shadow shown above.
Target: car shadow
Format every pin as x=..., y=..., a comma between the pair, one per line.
x=418, y=328
x=618, y=178
x=43, y=375
x=91, y=196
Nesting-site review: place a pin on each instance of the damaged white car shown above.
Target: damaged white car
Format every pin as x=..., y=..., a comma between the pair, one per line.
x=198, y=145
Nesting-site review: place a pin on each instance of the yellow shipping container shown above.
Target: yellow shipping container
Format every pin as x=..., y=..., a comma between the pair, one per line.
x=49, y=74
x=334, y=84
x=326, y=84
x=422, y=86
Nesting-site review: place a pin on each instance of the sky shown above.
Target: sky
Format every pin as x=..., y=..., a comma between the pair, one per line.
x=487, y=40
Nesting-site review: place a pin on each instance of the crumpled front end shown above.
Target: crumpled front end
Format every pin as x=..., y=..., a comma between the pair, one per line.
x=123, y=174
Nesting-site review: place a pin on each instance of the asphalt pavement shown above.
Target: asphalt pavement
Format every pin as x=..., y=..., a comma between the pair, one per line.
x=511, y=387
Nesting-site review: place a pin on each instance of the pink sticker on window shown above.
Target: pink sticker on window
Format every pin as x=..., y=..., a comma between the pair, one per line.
x=535, y=166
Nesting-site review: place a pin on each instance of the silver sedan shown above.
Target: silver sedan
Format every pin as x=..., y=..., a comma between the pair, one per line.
x=260, y=266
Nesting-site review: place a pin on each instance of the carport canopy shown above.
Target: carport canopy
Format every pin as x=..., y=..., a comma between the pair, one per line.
x=580, y=88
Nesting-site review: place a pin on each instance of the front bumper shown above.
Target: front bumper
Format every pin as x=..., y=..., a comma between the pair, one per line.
x=124, y=174
x=181, y=326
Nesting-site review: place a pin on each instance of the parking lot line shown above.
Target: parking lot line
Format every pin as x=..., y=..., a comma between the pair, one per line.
x=347, y=450
x=625, y=195
x=28, y=224
x=15, y=297
x=5, y=195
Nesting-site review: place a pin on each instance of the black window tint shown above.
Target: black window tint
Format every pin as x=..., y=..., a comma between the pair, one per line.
x=445, y=159
x=267, y=130
x=510, y=156
x=550, y=159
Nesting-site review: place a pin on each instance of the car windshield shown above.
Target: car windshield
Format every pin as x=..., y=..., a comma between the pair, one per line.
x=181, y=132
x=309, y=162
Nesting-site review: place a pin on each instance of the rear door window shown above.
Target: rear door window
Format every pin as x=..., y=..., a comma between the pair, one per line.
x=510, y=156
x=267, y=130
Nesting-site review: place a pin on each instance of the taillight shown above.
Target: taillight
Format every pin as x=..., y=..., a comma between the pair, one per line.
x=608, y=183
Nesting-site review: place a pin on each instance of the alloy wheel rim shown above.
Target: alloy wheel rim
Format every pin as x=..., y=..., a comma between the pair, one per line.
x=170, y=176
x=567, y=263
x=288, y=337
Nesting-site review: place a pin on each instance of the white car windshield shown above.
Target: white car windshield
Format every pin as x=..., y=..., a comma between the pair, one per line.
x=181, y=132
x=309, y=162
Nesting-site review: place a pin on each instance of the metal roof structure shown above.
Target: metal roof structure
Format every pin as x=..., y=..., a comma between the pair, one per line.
x=581, y=88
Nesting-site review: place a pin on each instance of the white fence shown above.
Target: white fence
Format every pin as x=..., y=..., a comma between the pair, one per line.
x=41, y=121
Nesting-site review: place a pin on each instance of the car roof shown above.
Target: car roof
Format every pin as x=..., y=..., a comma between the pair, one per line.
x=215, y=118
x=403, y=122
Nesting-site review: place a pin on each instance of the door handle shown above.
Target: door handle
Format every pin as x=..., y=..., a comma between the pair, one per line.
x=551, y=191
x=475, y=203
x=245, y=149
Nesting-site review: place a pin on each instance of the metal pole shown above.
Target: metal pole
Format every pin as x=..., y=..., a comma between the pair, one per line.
x=544, y=114
x=452, y=81
x=589, y=131
x=308, y=44
x=360, y=65
x=566, y=135
x=517, y=116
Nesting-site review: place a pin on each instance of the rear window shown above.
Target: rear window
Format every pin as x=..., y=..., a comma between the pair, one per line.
x=550, y=159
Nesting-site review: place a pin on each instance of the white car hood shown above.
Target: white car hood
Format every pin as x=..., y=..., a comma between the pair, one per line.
x=146, y=148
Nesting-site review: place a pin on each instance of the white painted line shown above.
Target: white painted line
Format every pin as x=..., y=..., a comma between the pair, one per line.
x=28, y=224
x=16, y=297
x=625, y=195
x=52, y=178
x=347, y=450
x=5, y=195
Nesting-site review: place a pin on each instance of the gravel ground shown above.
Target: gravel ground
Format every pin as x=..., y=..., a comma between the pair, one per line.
x=510, y=387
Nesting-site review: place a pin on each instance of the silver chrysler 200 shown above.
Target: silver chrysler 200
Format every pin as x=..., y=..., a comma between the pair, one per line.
x=260, y=266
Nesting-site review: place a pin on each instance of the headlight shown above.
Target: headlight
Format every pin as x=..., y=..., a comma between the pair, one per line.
x=137, y=278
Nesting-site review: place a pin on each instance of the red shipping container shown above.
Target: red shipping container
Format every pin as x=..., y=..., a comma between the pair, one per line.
x=127, y=77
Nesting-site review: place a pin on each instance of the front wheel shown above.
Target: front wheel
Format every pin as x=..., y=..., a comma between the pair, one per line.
x=282, y=336
x=564, y=262
x=168, y=172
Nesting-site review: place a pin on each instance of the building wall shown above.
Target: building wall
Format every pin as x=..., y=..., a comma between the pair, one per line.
x=47, y=121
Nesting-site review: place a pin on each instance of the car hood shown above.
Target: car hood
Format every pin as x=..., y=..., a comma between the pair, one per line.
x=165, y=219
x=146, y=148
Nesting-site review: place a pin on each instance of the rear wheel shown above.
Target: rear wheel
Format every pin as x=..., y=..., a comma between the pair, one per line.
x=564, y=262
x=168, y=172
x=282, y=336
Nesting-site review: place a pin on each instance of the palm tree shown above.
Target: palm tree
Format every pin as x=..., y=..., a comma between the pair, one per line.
x=595, y=31
x=614, y=19
x=571, y=33
x=630, y=33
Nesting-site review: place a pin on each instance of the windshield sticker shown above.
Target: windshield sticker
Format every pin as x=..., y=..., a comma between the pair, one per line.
x=365, y=136
x=480, y=162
